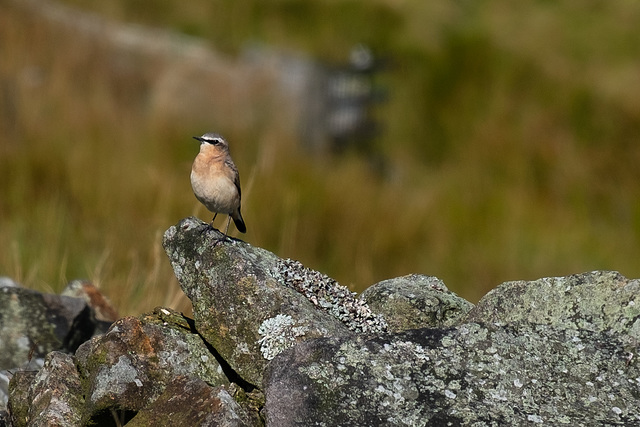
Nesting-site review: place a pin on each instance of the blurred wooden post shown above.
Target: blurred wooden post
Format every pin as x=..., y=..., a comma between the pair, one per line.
x=340, y=102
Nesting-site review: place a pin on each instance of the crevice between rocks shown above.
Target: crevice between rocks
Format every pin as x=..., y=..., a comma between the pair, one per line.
x=112, y=417
x=229, y=372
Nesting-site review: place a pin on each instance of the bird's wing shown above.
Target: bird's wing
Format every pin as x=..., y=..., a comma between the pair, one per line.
x=236, y=180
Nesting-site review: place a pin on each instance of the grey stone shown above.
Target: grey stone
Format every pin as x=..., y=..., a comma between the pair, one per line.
x=55, y=395
x=19, y=398
x=189, y=402
x=131, y=365
x=32, y=324
x=102, y=308
x=594, y=301
x=5, y=377
x=468, y=375
x=235, y=297
x=115, y=375
x=558, y=351
x=329, y=296
x=8, y=282
x=415, y=301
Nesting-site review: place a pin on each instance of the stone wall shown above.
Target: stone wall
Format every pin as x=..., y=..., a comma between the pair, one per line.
x=275, y=343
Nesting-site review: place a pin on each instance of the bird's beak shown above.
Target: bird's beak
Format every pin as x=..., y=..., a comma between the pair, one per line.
x=197, y=138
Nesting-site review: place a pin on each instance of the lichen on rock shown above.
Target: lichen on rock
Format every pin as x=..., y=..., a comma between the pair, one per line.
x=329, y=296
x=278, y=333
x=275, y=343
x=472, y=374
x=415, y=301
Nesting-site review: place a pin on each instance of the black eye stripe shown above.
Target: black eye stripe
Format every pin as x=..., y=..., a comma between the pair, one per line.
x=211, y=139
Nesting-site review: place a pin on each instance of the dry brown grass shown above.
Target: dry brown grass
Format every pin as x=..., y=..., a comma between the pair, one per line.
x=511, y=145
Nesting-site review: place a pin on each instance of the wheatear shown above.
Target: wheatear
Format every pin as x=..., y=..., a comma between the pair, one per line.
x=215, y=179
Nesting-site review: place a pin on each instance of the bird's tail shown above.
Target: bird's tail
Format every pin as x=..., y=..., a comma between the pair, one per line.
x=238, y=221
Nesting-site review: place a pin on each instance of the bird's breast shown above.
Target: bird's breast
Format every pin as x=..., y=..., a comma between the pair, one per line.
x=216, y=191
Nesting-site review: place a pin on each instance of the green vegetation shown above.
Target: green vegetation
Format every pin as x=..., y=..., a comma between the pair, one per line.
x=511, y=144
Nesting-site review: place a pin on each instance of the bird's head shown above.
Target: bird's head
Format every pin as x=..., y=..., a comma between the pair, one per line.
x=214, y=139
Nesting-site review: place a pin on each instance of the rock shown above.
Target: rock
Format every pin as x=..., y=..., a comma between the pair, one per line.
x=468, y=375
x=131, y=365
x=329, y=296
x=276, y=343
x=32, y=324
x=241, y=305
x=415, y=301
x=19, y=399
x=54, y=395
x=189, y=402
x=4, y=418
x=252, y=402
x=595, y=301
x=100, y=304
x=553, y=351
x=6, y=375
x=8, y=282
x=118, y=374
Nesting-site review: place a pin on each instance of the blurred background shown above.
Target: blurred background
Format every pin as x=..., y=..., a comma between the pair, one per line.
x=478, y=142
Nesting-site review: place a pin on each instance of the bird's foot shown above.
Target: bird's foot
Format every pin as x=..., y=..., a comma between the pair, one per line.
x=221, y=240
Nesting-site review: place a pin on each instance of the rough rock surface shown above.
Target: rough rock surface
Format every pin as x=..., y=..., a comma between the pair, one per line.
x=192, y=402
x=54, y=394
x=133, y=362
x=6, y=375
x=510, y=373
x=101, y=306
x=32, y=324
x=415, y=301
x=469, y=375
x=120, y=373
x=238, y=304
x=596, y=301
x=276, y=343
x=19, y=399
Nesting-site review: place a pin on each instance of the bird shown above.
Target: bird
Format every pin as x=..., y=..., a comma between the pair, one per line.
x=215, y=180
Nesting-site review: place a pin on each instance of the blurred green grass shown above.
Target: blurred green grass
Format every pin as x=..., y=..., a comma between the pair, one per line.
x=511, y=142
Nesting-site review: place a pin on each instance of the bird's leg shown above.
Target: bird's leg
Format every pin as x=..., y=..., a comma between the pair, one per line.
x=211, y=225
x=228, y=222
x=224, y=238
x=214, y=217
